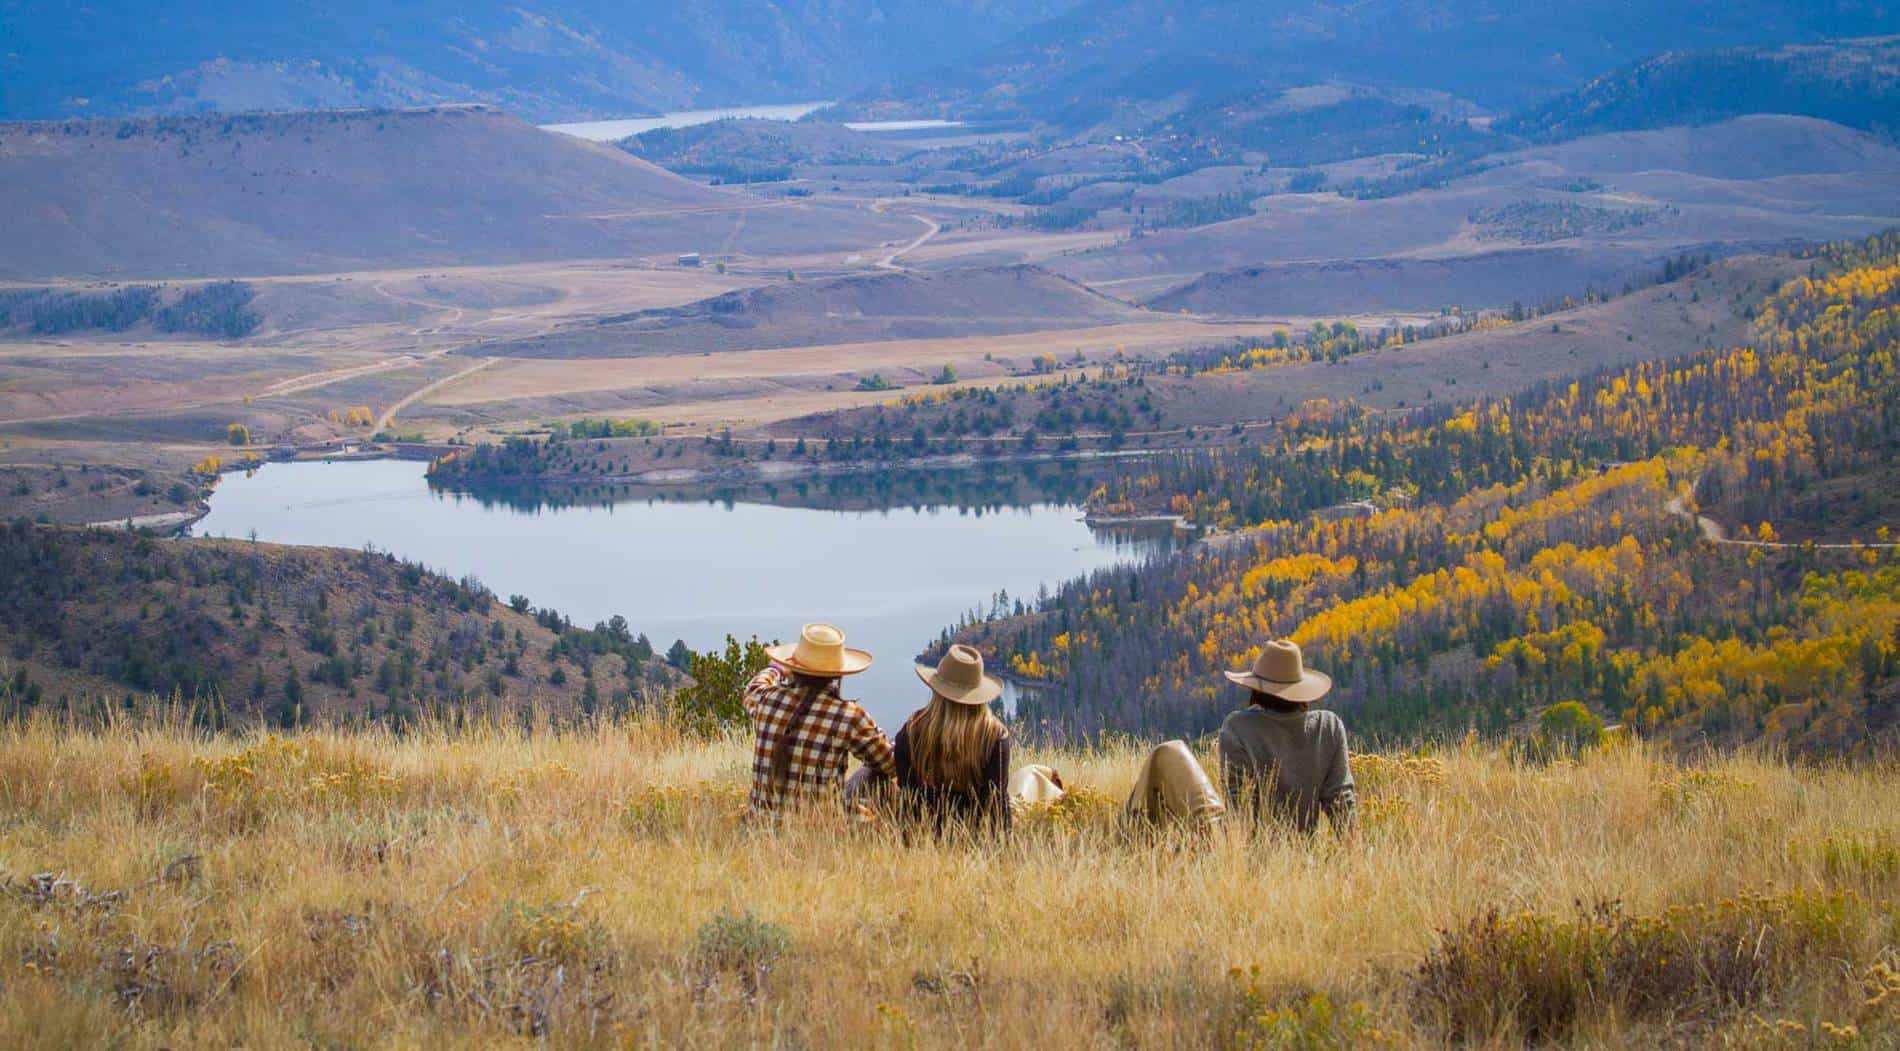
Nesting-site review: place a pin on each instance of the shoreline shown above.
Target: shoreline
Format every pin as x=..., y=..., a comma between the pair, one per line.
x=765, y=471
x=176, y=524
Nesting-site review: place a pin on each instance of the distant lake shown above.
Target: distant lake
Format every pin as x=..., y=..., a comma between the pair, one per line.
x=615, y=130
x=698, y=569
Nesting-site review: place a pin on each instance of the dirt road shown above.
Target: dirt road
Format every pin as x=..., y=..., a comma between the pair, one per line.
x=389, y=414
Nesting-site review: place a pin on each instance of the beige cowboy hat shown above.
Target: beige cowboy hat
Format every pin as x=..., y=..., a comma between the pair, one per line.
x=959, y=677
x=1280, y=672
x=820, y=650
x=1036, y=783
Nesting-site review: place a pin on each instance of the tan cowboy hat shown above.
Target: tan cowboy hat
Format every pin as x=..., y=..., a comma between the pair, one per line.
x=820, y=650
x=1279, y=672
x=959, y=677
x=1036, y=784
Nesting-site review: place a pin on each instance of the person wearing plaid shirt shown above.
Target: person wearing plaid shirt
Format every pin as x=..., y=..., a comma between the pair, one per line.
x=806, y=731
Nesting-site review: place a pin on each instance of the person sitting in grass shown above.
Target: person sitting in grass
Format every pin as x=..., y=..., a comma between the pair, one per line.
x=952, y=755
x=805, y=730
x=1285, y=758
x=1172, y=791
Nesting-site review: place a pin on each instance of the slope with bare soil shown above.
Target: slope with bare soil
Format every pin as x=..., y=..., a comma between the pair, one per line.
x=1702, y=310
x=1706, y=308
x=1600, y=211
x=1526, y=275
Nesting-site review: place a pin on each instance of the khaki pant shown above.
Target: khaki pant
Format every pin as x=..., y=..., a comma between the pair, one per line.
x=1173, y=789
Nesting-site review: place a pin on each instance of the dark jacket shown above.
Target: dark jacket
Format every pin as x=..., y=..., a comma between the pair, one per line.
x=982, y=808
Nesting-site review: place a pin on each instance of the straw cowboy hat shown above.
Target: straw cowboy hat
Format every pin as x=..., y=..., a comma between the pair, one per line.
x=959, y=677
x=820, y=650
x=1279, y=672
x=1036, y=783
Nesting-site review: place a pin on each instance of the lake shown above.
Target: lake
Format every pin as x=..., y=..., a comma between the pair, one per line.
x=695, y=569
x=615, y=130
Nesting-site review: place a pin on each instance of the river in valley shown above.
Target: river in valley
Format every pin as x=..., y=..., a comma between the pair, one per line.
x=696, y=569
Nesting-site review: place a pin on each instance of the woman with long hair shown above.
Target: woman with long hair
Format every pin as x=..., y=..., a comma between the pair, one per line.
x=806, y=731
x=952, y=756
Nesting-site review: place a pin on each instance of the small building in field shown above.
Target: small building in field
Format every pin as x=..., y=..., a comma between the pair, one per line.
x=689, y=259
x=1351, y=509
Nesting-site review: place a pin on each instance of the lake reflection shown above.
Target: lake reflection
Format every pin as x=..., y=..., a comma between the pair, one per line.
x=615, y=130
x=893, y=579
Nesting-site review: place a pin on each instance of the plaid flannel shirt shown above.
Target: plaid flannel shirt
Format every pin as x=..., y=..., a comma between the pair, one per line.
x=831, y=731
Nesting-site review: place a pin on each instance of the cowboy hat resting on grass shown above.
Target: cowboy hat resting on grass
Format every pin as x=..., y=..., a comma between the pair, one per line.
x=1282, y=757
x=805, y=729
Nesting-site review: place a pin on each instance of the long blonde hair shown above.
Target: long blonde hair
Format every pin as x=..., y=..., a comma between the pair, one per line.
x=949, y=742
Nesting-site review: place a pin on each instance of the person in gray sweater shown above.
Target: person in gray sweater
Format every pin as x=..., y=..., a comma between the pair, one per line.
x=1281, y=758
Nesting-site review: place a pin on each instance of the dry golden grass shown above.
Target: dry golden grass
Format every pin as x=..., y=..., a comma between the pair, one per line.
x=357, y=888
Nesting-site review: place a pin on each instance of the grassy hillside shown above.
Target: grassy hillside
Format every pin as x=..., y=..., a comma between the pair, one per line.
x=853, y=309
x=595, y=889
x=242, y=632
x=1487, y=279
x=1602, y=209
x=320, y=191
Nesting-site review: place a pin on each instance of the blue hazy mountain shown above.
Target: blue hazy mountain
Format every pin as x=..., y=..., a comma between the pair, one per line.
x=541, y=59
x=1129, y=63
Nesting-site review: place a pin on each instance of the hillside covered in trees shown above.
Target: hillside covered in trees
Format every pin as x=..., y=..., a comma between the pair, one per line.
x=1616, y=540
x=238, y=632
x=1850, y=82
x=220, y=309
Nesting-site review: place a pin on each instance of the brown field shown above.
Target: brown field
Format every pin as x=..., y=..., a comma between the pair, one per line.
x=541, y=377
x=497, y=887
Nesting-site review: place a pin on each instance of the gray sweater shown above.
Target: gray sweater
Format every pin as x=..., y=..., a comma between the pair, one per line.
x=1288, y=766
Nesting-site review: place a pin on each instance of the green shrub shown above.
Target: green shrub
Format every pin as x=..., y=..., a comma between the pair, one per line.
x=712, y=705
x=743, y=945
x=1566, y=729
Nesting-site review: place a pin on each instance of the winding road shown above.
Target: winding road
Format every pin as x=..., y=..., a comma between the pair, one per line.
x=932, y=228
x=389, y=414
x=1714, y=532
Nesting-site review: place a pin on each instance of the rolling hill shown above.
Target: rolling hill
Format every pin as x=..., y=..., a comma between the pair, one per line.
x=853, y=309
x=1599, y=210
x=175, y=197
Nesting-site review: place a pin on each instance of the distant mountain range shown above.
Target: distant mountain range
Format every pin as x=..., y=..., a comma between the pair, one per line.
x=1126, y=64
x=539, y=59
x=1073, y=64
x=1854, y=82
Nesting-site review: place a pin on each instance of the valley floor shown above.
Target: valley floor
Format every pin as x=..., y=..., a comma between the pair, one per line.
x=595, y=887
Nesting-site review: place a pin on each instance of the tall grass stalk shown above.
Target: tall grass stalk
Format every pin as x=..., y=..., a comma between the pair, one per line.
x=463, y=886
